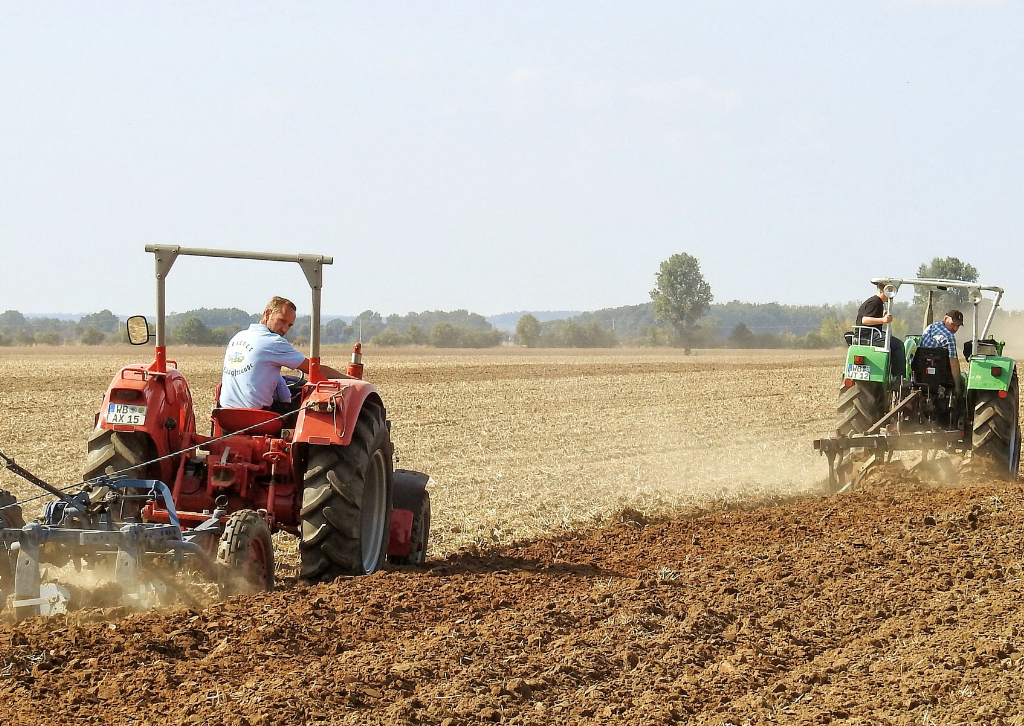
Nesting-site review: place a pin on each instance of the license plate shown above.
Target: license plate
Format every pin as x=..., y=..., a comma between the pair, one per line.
x=124, y=413
x=858, y=373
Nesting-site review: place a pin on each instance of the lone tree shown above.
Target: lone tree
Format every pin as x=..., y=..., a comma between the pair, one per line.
x=528, y=330
x=682, y=295
x=12, y=318
x=946, y=268
x=741, y=336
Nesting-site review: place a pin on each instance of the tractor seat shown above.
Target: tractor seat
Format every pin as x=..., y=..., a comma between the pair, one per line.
x=230, y=420
x=931, y=368
x=864, y=335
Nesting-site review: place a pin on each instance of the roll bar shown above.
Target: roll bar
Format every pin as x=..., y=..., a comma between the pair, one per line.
x=312, y=268
x=930, y=285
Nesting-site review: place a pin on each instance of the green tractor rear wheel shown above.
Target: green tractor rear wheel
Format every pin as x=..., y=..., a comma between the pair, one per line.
x=860, y=406
x=996, y=429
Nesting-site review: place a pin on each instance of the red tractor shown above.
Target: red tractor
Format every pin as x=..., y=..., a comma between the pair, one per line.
x=323, y=473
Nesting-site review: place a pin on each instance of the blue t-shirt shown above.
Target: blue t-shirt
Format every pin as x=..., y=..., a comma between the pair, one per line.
x=937, y=335
x=252, y=368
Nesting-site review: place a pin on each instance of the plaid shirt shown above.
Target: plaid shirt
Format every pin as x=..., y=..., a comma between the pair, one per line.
x=937, y=335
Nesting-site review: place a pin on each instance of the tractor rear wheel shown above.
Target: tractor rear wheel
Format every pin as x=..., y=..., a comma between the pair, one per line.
x=117, y=452
x=859, y=407
x=10, y=516
x=121, y=452
x=246, y=551
x=346, y=503
x=996, y=429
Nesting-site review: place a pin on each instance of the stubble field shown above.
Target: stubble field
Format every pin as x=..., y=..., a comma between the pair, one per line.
x=517, y=445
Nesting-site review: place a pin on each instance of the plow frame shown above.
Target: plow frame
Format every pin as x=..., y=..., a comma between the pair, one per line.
x=132, y=544
x=880, y=447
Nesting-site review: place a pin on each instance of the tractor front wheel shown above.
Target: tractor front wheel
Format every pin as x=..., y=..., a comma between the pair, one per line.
x=246, y=552
x=346, y=503
x=996, y=429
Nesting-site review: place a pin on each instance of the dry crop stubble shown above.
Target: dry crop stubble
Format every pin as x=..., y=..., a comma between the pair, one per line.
x=519, y=443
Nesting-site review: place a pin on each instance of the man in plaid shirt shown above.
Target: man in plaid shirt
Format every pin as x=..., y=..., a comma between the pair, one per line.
x=941, y=335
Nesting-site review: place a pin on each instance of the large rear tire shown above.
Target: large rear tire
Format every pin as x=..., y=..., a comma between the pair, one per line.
x=10, y=516
x=124, y=453
x=246, y=551
x=996, y=428
x=346, y=503
x=859, y=407
x=10, y=511
x=117, y=452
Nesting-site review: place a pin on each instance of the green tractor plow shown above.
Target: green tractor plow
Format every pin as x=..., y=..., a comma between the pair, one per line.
x=919, y=407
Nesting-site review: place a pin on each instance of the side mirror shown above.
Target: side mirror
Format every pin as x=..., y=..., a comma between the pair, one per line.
x=138, y=330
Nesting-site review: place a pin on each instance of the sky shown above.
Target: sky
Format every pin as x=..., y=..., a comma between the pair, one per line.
x=505, y=156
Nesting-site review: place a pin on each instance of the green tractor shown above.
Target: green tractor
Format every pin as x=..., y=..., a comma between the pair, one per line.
x=881, y=412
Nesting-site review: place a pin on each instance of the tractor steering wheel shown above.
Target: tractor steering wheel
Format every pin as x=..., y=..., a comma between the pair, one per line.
x=295, y=383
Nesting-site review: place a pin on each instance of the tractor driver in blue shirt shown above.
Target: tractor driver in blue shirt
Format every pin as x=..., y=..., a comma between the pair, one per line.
x=254, y=358
x=941, y=335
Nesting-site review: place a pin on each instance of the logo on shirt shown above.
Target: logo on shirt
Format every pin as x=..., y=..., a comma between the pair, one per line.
x=234, y=361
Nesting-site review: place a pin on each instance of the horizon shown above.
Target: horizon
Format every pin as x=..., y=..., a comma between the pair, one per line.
x=326, y=317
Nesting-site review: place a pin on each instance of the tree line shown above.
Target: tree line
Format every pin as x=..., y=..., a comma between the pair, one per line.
x=216, y=326
x=92, y=329
x=680, y=313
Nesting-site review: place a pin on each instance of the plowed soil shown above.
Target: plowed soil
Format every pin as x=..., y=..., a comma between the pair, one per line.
x=899, y=604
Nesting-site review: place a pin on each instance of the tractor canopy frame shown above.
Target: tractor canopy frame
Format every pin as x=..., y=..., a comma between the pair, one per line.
x=930, y=286
x=312, y=268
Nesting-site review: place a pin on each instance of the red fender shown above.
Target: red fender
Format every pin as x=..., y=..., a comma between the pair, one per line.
x=330, y=410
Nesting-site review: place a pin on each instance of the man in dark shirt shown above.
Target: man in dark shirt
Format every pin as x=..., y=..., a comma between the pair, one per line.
x=871, y=313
